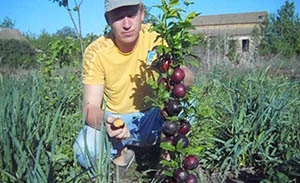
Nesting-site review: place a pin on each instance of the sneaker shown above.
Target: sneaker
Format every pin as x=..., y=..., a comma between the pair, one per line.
x=122, y=163
x=125, y=159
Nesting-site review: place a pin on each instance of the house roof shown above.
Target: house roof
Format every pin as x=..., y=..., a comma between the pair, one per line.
x=224, y=24
x=224, y=19
x=6, y=33
x=229, y=31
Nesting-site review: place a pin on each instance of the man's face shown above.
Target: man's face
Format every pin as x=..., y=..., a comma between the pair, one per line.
x=126, y=23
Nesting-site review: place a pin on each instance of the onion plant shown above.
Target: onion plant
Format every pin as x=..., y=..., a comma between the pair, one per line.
x=249, y=122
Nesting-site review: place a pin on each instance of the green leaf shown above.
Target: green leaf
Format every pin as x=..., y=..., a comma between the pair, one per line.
x=167, y=146
x=167, y=173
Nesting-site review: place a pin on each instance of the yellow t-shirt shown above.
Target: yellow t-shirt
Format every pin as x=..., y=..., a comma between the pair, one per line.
x=124, y=75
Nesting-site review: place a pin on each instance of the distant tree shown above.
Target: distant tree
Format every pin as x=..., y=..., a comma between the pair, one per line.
x=42, y=41
x=7, y=23
x=281, y=32
x=71, y=9
x=66, y=31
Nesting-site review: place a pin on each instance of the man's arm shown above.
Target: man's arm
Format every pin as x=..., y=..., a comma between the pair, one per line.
x=92, y=100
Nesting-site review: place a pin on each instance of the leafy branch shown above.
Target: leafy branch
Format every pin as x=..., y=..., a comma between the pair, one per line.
x=77, y=26
x=173, y=26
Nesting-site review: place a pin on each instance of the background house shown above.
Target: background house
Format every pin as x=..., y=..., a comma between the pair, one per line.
x=231, y=34
x=7, y=33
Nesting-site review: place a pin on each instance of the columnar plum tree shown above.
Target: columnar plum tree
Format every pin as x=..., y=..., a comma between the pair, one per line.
x=172, y=95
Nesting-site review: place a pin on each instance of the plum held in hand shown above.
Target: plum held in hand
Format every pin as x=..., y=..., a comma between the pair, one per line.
x=117, y=124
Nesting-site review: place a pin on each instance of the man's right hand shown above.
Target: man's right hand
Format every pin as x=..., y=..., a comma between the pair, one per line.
x=120, y=133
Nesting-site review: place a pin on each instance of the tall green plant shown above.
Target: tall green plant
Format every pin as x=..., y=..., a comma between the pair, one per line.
x=39, y=122
x=173, y=27
x=63, y=89
x=27, y=138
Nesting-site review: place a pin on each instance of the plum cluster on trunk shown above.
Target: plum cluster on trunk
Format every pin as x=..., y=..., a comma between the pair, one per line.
x=175, y=131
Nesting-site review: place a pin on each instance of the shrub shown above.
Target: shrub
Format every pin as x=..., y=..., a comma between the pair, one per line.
x=16, y=53
x=60, y=52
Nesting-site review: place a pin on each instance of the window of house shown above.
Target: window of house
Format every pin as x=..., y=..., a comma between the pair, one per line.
x=245, y=45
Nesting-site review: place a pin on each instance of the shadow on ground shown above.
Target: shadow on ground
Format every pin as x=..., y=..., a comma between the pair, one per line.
x=146, y=163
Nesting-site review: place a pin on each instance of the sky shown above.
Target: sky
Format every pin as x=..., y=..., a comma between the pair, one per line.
x=35, y=16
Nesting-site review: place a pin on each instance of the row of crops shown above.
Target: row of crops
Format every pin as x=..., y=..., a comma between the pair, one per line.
x=246, y=127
